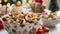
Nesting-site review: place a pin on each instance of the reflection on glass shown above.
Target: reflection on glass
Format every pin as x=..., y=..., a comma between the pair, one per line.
x=0, y=5
x=5, y=0
x=8, y=4
x=30, y=1
x=0, y=1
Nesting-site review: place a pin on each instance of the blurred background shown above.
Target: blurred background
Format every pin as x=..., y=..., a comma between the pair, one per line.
x=46, y=2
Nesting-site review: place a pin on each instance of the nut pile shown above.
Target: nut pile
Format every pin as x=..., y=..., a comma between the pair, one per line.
x=20, y=17
x=52, y=16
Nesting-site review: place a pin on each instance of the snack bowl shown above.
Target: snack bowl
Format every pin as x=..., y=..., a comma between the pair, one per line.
x=50, y=23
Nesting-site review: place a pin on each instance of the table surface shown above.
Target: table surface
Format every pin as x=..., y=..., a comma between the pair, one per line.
x=55, y=30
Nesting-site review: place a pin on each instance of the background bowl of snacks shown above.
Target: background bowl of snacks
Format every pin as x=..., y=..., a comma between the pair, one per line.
x=50, y=20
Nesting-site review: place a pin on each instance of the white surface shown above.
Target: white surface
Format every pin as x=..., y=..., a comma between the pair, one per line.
x=3, y=32
x=55, y=30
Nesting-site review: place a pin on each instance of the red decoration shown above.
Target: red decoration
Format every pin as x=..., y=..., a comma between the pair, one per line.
x=1, y=26
x=42, y=30
x=40, y=1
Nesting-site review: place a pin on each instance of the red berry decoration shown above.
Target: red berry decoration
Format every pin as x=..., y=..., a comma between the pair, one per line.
x=42, y=30
x=46, y=30
x=1, y=26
